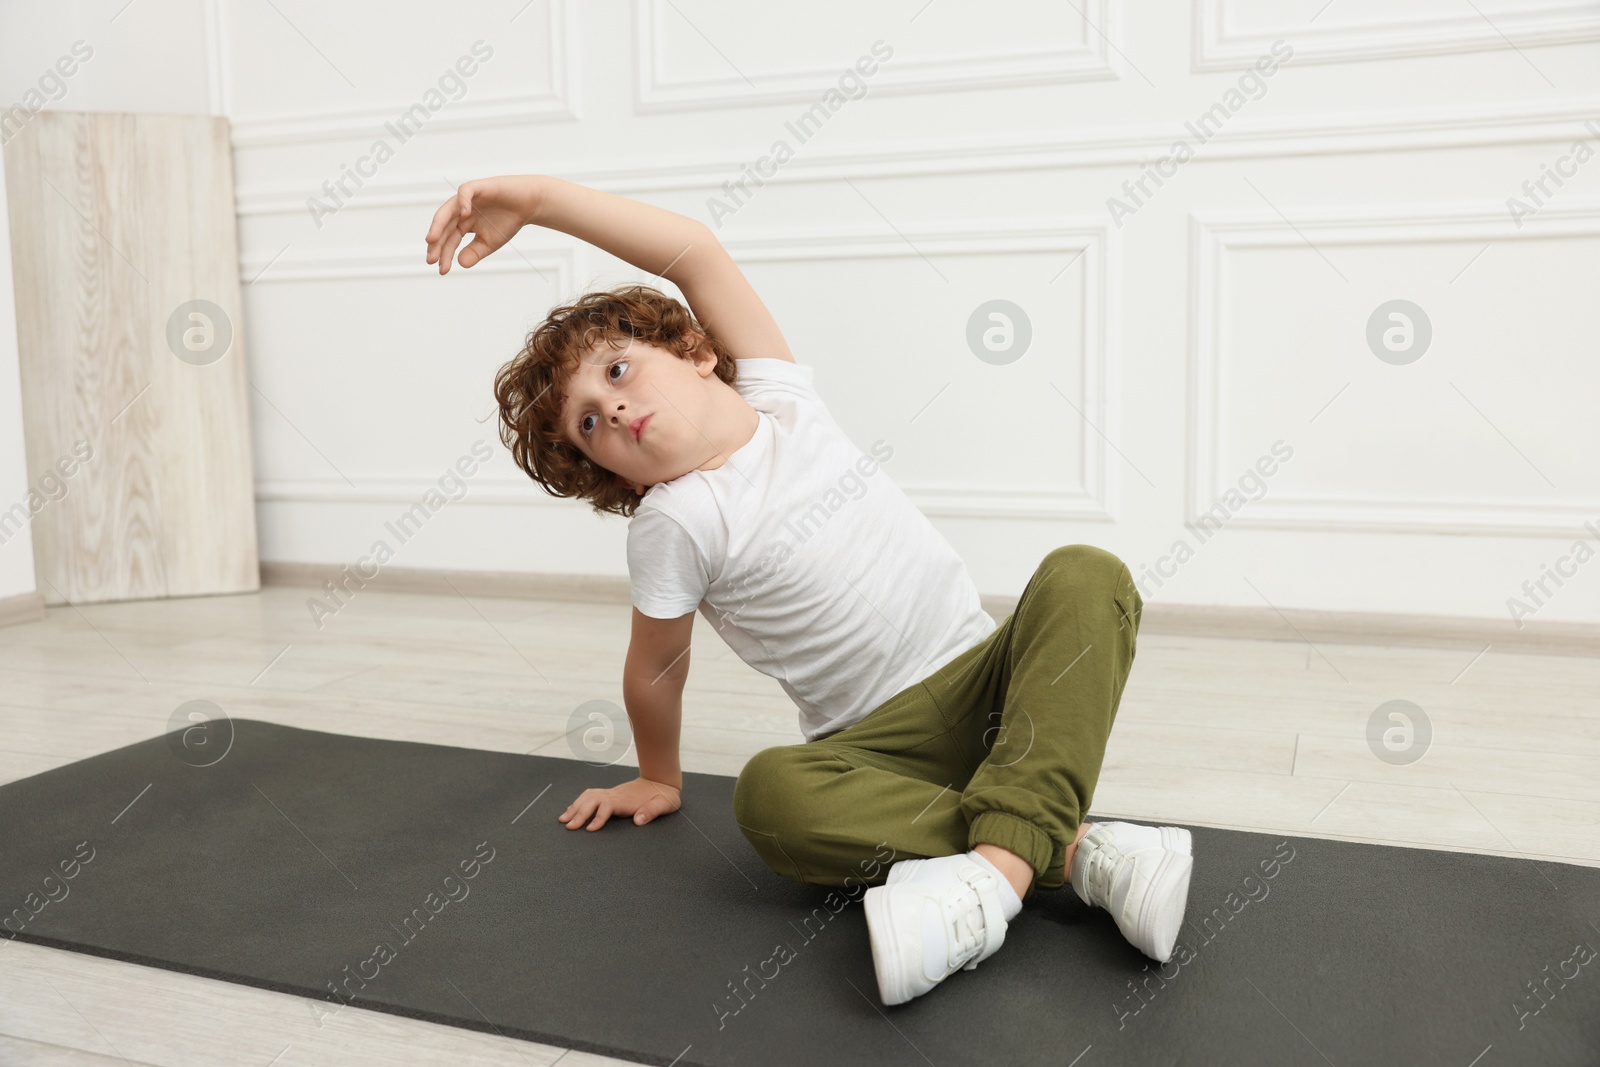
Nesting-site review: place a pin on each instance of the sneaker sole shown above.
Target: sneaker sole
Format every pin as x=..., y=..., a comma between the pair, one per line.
x=885, y=946
x=1167, y=897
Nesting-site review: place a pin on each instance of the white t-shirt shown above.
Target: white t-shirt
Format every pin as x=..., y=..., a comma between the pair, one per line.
x=809, y=560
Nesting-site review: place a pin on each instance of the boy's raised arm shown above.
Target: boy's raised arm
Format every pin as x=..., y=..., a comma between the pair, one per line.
x=680, y=249
x=651, y=238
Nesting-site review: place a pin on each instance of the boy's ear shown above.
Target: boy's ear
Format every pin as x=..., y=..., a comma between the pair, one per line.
x=702, y=349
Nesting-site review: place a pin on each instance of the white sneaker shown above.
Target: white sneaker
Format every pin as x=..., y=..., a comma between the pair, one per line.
x=1140, y=874
x=931, y=918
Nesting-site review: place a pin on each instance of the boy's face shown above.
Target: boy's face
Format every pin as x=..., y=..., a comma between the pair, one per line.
x=619, y=383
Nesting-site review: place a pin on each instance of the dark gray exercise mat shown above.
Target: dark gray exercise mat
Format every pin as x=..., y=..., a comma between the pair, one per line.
x=436, y=883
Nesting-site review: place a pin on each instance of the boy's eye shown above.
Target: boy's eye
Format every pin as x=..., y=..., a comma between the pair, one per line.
x=583, y=424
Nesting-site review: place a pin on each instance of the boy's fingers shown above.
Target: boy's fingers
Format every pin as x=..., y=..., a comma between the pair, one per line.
x=464, y=194
x=447, y=254
x=575, y=814
x=436, y=240
x=480, y=247
x=445, y=212
x=660, y=804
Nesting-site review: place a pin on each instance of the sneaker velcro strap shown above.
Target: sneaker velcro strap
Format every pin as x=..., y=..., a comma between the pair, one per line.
x=994, y=918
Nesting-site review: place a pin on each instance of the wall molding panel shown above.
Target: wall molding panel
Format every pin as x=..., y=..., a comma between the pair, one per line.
x=657, y=91
x=1219, y=45
x=1214, y=234
x=557, y=104
x=391, y=261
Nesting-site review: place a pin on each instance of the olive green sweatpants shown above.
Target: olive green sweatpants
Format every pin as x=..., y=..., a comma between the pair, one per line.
x=1002, y=745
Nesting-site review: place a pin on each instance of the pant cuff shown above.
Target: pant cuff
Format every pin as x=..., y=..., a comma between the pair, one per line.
x=1016, y=835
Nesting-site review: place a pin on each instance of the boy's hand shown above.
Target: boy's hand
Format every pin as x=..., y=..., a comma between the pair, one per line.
x=641, y=798
x=492, y=209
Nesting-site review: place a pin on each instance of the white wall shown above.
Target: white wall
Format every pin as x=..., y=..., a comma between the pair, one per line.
x=1171, y=346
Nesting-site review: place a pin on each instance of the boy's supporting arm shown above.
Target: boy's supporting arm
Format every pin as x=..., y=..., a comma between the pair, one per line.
x=654, y=701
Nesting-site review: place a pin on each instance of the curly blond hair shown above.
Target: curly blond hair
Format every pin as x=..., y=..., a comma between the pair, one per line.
x=531, y=388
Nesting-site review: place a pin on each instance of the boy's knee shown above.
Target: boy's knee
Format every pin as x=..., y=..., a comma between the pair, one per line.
x=1086, y=574
x=764, y=789
x=1086, y=566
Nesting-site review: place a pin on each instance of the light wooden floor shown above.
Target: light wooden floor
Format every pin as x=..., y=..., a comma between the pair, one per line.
x=1255, y=735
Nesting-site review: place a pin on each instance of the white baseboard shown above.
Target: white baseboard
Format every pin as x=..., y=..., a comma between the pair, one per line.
x=515, y=584
x=24, y=607
x=1372, y=628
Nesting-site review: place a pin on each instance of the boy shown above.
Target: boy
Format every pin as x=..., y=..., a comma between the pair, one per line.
x=969, y=751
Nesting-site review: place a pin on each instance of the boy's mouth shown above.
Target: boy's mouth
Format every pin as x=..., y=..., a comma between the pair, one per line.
x=637, y=426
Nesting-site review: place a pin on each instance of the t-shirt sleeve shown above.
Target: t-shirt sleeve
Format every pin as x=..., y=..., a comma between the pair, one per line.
x=764, y=377
x=665, y=567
